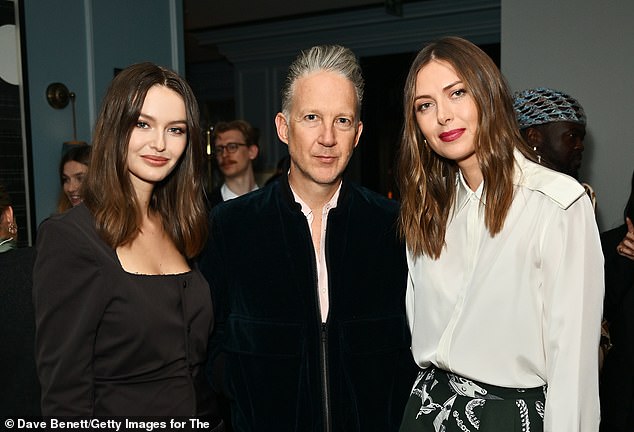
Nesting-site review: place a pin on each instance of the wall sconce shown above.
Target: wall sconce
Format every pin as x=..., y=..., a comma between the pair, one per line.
x=58, y=96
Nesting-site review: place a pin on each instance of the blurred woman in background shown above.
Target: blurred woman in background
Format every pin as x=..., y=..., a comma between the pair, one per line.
x=72, y=171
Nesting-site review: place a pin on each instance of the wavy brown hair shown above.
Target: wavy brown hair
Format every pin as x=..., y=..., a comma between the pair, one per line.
x=426, y=180
x=108, y=192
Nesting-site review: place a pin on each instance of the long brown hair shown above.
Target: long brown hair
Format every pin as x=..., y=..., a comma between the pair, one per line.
x=427, y=180
x=108, y=192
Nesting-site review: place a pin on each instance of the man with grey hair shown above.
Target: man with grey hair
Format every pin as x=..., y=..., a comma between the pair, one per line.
x=308, y=275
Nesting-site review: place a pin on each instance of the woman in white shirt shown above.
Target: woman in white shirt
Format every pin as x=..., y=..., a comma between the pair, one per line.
x=505, y=264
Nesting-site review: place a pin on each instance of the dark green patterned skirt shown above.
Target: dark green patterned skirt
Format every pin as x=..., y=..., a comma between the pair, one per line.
x=445, y=402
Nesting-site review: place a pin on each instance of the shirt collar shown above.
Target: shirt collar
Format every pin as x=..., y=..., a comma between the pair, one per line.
x=562, y=189
x=332, y=203
x=464, y=192
x=7, y=244
x=228, y=194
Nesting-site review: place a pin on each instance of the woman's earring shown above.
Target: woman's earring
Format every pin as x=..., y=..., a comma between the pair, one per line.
x=13, y=228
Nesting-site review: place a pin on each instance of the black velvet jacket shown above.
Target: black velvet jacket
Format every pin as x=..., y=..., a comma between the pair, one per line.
x=260, y=264
x=214, y=198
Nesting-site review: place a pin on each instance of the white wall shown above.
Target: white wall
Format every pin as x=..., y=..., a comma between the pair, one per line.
x=585, y=48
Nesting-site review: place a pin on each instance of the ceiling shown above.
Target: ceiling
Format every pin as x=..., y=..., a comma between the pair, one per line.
x=206, y=14
x=200, y=15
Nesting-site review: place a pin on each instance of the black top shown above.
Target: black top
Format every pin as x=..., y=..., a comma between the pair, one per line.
x=619, y=275
x=20, y=394
x=110, y=342
x=617, y=377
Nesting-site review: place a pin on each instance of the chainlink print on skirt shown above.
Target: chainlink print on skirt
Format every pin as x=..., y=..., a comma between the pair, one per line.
x=445, y=402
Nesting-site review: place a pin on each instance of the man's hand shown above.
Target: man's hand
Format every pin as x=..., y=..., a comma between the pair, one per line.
x=626, y=246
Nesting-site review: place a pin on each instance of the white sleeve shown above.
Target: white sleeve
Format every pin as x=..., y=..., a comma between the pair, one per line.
x=573, y=287
x=410, y=303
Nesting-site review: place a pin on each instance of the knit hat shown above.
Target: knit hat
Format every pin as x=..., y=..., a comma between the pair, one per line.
x=543, y=105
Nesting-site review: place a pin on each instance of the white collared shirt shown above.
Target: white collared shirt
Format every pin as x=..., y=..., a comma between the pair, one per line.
x=521, y=309
x=228, y=194
x=322, y=269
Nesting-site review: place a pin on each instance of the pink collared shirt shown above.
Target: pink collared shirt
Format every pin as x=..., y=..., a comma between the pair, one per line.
x=322, y=269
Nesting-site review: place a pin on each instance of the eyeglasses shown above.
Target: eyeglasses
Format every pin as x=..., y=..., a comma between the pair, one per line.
x=230, y=147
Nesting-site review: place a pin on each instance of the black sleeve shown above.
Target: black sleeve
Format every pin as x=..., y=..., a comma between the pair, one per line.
x=212, y=266
x=68, y=306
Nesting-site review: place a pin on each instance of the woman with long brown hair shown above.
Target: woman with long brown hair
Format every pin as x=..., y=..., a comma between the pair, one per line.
x=122, y=317
x=505, y=264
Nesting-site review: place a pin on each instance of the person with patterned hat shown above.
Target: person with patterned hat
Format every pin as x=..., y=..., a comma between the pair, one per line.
x=553, y=123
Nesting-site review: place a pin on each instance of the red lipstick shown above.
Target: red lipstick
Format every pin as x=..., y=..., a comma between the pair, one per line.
x=451, y=135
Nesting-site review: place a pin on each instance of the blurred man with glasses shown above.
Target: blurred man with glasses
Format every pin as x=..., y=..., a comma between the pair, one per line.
x=235, y=147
